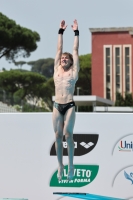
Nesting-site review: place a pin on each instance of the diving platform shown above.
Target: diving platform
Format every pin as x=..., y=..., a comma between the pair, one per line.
x=86, y=196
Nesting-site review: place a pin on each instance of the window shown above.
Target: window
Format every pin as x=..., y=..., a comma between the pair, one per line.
x=127, y=69
x=117, y=69
x=108, y=72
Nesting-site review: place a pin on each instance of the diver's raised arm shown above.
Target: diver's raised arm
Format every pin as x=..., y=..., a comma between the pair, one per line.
x=75, y=46
x=59, y=44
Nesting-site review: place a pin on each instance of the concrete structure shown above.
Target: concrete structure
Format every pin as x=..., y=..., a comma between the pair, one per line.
x=90, y=100
x=113, y=109
x=12, y=199
x=112, y=67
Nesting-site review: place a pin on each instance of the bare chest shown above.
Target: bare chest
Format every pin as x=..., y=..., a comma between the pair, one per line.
x=65, y=78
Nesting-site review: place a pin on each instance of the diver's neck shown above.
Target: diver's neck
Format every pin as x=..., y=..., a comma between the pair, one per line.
x=66, y=68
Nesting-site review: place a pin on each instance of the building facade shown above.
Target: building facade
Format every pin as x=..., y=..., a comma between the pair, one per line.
x=112, y=65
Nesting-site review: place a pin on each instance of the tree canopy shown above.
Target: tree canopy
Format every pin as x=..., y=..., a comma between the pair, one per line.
x=127, y=100
x=43, y=66
x=15, y=40
x=21, y=83
x=84, y=81
x=47, y=90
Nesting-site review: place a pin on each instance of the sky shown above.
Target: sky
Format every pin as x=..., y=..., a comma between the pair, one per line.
x=44, y=16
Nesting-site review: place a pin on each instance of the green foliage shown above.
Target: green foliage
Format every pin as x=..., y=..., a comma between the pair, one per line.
x=21, y=84
x=85, y=109
x=16, y=40
x=18, y=108
x=31, y=108
x=3, y=69
x=124, y=101
x=119, y=100
x=18, y=96
x=31, y=63
x=43, y=66
x=1, y=95
x=84, y=81
x=128, y=99
x=20, y=63
x=47, y=91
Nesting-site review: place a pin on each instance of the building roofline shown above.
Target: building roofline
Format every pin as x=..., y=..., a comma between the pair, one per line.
x=112, y=29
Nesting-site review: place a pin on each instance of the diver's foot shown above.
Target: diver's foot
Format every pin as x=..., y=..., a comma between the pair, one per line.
x=70, y=175
x=60, y=172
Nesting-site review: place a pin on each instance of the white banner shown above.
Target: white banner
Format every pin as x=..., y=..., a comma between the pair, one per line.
x=103, y=157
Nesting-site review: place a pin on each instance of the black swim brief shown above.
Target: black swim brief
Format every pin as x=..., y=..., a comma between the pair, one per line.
x=62, y=108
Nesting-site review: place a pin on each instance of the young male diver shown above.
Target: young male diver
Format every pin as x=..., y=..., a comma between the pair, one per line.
x=66, y=68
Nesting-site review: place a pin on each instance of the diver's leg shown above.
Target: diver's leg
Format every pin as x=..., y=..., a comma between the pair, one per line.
x=69, y=120
x=58, y=122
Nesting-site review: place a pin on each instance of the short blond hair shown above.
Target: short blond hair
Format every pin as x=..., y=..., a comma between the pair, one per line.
x=69, y=55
